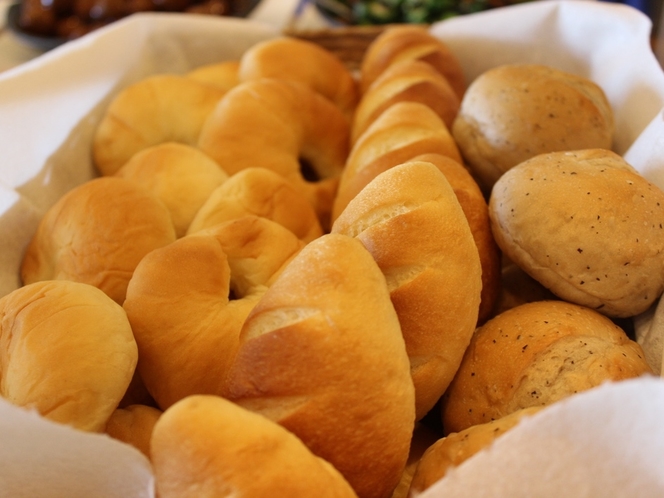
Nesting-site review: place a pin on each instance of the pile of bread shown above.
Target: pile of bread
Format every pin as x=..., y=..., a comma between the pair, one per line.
x=285, y=271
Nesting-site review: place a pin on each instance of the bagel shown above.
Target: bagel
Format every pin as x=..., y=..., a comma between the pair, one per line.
x=222, y=75
x=133, y=425
x=260, y=192
x=346, y=391
x=410, y=42
x=281, y=125
x=96, y=234
x=412, y=223
x=179, y=175
x=156, y=109
x=208, y=446
x=187, y=302
x=68, y=352
x=303, y=61
x=403, y=131
x=408, y=80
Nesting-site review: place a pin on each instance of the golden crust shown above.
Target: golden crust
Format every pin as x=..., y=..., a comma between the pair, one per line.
x=133, y=425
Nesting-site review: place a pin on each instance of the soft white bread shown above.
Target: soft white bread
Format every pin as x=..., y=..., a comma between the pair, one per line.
x=410, y=220
x=516, y=111
x=96, y=234
x=322, y=354
x=68, y=352
x=181, y=176
x=187, y=302
x=536, y=354
x=133, y=425
x=207, y=446
x=586, y=226
x=259, y=192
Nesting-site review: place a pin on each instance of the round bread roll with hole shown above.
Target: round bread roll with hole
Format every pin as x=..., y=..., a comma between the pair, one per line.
x=586, y=226
x=534, y=355
x=516, y=111
x=68, y=352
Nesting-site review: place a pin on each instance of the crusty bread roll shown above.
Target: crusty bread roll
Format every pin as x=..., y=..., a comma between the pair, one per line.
x=223, y=75
x=456, y=448
x=181, y=176
x=406, y=81
x=536, y=354
x=96, y=234
x=283, y=126
x=410, y=42
x=133, y=425
x=260, y=192
x=585, y=225
x=322, y=354
x=516, y=111
x=155, y=109
x=68, y=352
x=187, y=302
x=476, y=209
x=207, y=446
x=517, y=287
x=403, y=131
x=411, y=222
x=303, y=61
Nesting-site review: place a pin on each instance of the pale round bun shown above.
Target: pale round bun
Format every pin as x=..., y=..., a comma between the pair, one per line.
x=133, y=425
x=403, y=131
x=412, y=223
x=303, y=61
x=534, y=355
x=208, y=446
x=260, y=192
x=454, y=449
x=514, y=112
x=221, y=75
x=475, y=208
x=96, y=234
x=68, y=352
x=156, y=109
x=410, y=42
x=406, y=81
x=181, y=176
x=278, y=124
x=586, y=226
x=331, y=307
x=187, y=302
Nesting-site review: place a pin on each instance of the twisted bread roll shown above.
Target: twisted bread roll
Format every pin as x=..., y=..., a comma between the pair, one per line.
x=181, y=176
x=96, y=234
x=410, y=220
x=346, y=391
x=67, y=352
x=187, y=302
x=278, y=125
x=207, y=446
x=156, y=109
x=133, y=425
x=222, y=75
x=260, y=192
x=536, y=354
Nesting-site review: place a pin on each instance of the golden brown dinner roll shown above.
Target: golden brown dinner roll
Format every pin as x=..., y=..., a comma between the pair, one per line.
x=68, y=352
x=403, y=131
x=322, y=354
x=406, y=81
x=585, y=225
x=536, y=354
x=411, y=222
x=223, y=75
x=283, y=126
x=207, y=446
x=516, y=111
x=96, y=234
x=133, y=425
x=187, y=302
x=458, y=447
x=410, y=42
x=423, y=437
x=261, y=192
x=181, y=176
x=155, y=109
x=295, y=59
